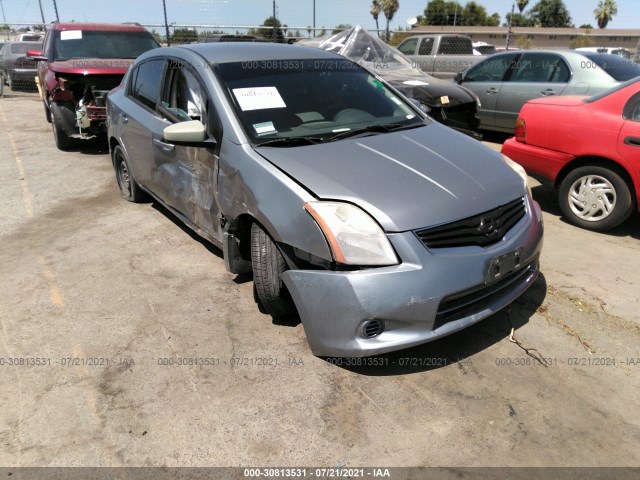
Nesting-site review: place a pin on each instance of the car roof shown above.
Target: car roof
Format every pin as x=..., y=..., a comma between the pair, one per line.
x=228, y=52
x=120, y=27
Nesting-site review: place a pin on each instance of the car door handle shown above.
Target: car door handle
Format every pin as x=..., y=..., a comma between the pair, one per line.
x=633, y=141
x=492, y=91
x=548, y=91
x=167, y=147
x=124, y=118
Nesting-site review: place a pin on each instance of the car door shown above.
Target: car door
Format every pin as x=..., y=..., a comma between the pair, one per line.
x=629, y=140
x=193, y=170
x=485, y=80
x=532, y=76
x=138, y=119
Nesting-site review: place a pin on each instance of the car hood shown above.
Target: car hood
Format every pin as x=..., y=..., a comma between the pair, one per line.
x=432, y=92
x=561, y=101
x=407, y=179
x=93, y=66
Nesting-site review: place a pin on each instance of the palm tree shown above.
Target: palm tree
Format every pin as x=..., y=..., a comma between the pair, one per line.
x=605, y=12
x=522, y=4
x=389, y=8
x=376, y=8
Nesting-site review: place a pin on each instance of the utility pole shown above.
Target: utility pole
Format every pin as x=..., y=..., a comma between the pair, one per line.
x=314, y=18
x=4, y=19
x=55, y=8
x=41, y=13
x=455, y=15
x=274, y=21
x=513, y=10
x=166, y=23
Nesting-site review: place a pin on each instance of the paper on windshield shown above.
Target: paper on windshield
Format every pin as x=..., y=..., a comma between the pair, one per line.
x=71, y=35
x=258, y=98
x=415, y=83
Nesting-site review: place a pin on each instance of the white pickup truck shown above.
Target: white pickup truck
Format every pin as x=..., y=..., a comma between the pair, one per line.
x=440, y=55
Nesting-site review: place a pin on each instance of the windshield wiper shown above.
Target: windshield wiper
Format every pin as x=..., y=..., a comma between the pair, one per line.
x=382, y=128
x=290, y=142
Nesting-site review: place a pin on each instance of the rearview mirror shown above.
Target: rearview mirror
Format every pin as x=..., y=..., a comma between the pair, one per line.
x=36, y=55
x=189, y=133
x=458, y=78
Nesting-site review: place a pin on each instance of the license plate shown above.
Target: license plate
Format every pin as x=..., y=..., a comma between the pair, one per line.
x=500, y=267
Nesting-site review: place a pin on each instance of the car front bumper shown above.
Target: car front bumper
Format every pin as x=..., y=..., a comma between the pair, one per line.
x=431, y=294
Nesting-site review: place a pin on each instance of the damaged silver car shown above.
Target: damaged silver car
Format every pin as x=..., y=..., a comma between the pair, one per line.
x=377, y=226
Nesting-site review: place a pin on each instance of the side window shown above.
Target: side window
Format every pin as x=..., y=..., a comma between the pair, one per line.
x=145, y=82
x=408, y=47
x=540, y=67
x=491, y=70
x=455, y=46
x=183, y=96
x=632, y=108
x=426, y=46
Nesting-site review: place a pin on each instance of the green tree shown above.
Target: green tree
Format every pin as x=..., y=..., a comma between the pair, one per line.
x=376, y=8
x=184, y=35
x=341, y=27
x=274, y=33
x=607, y=9
x=519, y=20
x=586, y=26
x=581, y=41
x=389, y=8
x=439, y=12
x=473, y=14
x=551, y=13
x=524, y=42
x=398, y=36
x=522, y=4
x=493, y=20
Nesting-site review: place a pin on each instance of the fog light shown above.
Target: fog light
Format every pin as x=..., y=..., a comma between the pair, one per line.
x=372, y=328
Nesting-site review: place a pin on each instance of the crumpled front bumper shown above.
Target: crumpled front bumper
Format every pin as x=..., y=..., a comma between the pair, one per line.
x=431, y=294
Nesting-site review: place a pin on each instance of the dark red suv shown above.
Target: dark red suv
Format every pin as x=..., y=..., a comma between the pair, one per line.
x=80, y=63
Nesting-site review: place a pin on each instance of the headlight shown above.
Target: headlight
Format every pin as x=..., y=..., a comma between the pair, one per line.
x=354, y=237
x=519, y=170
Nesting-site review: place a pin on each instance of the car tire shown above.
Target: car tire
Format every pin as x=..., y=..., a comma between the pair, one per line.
x=595, y=198
x=129, y=189
x=9, y=80
x=268, y=263
x=58, y=114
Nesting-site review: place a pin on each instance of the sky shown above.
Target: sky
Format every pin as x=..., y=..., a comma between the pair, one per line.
x=297, y=13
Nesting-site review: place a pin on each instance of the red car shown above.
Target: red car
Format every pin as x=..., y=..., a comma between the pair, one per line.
x=589, y=147
x=79, y=64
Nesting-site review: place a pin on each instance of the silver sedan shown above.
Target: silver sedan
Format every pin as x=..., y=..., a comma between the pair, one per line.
x=377, y=226
x=506, y=81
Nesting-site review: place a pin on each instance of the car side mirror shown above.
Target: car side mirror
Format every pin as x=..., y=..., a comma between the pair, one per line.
x=458, y=78
x=189, y=134
x=36, y=55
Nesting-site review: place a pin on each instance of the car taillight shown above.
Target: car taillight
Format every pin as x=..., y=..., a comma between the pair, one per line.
x=521, y=131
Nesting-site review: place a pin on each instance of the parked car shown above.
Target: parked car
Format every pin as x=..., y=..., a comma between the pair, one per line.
x=440, y=55
x=589, y=147
x=225, y=37
x=29, y=37
x=505, y=81
x=622, y=52
x=79, y=64
x=450, y=104
x=16, y=70
x=381, y=227
x=483, y=48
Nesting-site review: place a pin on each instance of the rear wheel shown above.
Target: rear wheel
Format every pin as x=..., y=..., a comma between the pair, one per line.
x=268, y=263
x=129, y=189
x=596, y=198
x=61, y=116
x=47, y=111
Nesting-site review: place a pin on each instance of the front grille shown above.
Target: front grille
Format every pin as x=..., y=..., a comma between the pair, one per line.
x=482, y=230
x=477, y=299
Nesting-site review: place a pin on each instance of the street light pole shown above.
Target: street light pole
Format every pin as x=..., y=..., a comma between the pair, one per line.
x=41, y=13
x=166, y=24
x=55, y=8
x=314, y=18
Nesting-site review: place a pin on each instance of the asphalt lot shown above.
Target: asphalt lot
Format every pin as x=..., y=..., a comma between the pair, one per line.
x=100, y=300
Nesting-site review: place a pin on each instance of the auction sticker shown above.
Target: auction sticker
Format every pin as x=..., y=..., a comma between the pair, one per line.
x=71, y=35
x=258, y=98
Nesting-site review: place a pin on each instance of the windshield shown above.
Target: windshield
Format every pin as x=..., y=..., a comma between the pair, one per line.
x=617, y=67
x=101, y=44
x=311, y=99
x=21, y=48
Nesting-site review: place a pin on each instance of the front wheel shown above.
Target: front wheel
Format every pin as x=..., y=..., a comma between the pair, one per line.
x=595, y=198
x=129, y=189
x=62, y=116
x=268, y=263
